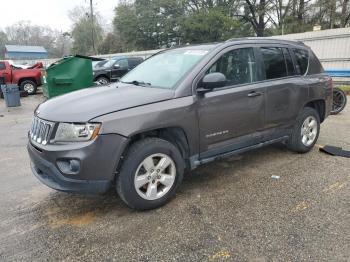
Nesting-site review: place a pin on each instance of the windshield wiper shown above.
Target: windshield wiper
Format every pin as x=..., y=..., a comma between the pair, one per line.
x=137, y=83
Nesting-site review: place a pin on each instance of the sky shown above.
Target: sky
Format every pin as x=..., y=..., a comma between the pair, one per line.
x=53, y=13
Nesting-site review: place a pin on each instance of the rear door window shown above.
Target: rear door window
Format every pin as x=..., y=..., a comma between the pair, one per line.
x=302, y=60
x=289, y=62
x=275, y=66
x=2, y=66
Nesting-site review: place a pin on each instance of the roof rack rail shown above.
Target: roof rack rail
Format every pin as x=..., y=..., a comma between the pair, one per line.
x=266, y=39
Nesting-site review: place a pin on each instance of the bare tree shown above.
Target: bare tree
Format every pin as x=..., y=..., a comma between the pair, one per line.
x=256, y=13
x=24, y=33
x=281, y=9
x=345, y=13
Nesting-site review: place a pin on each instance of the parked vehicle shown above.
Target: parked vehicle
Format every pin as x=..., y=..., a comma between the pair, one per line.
x=177, y=110
x=339, y=101
x=27, y=79
x=114, y=69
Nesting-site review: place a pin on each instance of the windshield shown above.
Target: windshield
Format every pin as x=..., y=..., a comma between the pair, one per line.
x=99, y=63
x=165, y=69
x=109, y=63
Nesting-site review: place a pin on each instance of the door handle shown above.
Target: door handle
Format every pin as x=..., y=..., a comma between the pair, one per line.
x=254, y=94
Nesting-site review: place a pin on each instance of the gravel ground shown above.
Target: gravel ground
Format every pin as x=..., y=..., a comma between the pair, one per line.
x=230, y=210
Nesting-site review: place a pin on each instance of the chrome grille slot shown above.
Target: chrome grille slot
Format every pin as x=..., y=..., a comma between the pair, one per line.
x=40, y=131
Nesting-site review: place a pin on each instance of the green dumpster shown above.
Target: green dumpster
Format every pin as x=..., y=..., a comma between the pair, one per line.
x=66, y=75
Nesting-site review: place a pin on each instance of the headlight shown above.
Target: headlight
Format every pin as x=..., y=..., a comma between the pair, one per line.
x=67, y=132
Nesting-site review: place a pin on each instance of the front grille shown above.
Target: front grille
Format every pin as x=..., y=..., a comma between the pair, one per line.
x=40, y=131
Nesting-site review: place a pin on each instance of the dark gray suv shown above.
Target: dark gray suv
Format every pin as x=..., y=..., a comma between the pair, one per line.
x=180, y=108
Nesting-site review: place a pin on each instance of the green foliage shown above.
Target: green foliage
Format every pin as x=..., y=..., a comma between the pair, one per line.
x=125, y=25
x=345, y=88
x=147, y=24
x=110, y=44
x=151, y=24
x=211, y=25
x=82, y=32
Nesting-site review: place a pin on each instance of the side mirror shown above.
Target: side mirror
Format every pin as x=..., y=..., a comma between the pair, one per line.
x=116, y=66
x=213, y=80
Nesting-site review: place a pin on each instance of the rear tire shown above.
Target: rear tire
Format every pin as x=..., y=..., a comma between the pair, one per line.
x=29, y=86
x=305, y=132
x=150, y=174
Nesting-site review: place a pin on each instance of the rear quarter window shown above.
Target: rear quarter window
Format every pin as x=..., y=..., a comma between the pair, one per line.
x=302, y=60
x=315, y=66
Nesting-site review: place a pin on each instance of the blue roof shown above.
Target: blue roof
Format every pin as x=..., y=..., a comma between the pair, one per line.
x=25, y=49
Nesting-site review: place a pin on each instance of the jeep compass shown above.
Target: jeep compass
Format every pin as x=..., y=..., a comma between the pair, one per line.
x=179, y=109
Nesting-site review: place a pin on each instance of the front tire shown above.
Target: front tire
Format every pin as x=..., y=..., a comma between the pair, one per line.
x=102, y=80
x=150, y=174
x=29, y=86
x=305, y=132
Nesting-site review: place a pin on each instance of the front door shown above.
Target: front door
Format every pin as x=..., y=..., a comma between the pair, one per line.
x=120, y=68
x=231, y=117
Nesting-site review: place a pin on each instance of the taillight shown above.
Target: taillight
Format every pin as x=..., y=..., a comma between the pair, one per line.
x=330, y=82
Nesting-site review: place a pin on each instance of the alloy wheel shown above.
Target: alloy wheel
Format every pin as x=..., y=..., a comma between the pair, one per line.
x=309, y=131
x=29, y=88
x=155, y=176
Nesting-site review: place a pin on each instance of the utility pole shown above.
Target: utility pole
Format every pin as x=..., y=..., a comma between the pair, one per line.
x=92, y=27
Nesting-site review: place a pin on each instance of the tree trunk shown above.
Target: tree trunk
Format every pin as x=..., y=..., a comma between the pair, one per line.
x=261, y=24
x=300, y=16
x=294, y=8
x=344, y=14
x=332, y=13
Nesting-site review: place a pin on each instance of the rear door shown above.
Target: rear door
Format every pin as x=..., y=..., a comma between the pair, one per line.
x=231, y=116
x=286, y=91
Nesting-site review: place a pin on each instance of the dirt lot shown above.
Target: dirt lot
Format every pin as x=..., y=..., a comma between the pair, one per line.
x=231, y=210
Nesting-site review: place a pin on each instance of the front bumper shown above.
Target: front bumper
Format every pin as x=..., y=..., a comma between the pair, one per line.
x=98, y=162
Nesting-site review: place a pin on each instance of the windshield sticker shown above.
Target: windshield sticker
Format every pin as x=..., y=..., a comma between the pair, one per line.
x=196, y=52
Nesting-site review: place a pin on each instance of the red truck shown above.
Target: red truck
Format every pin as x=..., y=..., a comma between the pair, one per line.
x=27, y=79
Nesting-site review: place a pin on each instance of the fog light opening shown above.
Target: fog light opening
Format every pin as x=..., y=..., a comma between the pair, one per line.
x=69, y=166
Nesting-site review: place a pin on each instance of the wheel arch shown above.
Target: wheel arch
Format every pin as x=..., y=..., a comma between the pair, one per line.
x=21, y=80
x=175, y=135
x=102, y=75
x=320, y=106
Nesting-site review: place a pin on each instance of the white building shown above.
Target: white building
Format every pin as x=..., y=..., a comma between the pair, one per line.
x=331, y=46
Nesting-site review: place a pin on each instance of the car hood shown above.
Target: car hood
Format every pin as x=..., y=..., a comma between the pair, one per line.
x=86, y=104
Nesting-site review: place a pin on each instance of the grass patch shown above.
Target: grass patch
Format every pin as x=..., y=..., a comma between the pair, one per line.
x=344, y=88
